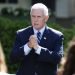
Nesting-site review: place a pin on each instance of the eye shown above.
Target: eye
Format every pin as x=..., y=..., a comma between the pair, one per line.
x=33, y=16
x=39, y=16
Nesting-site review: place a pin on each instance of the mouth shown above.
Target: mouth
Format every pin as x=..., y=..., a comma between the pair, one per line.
x=36, y=24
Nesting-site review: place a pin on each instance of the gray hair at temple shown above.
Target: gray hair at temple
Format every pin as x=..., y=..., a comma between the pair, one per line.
x=40, y=6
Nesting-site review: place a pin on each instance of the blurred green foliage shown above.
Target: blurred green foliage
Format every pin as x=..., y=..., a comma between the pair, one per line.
x=8, y=27
x=19, y=12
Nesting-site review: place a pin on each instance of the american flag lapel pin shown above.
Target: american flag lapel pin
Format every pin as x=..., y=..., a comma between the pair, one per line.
x=45, y=38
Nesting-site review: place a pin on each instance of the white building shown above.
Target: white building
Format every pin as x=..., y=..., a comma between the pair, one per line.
x=15, y=4
x=63, y=8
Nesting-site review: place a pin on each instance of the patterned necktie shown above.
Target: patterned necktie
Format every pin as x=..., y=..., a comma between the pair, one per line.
x=39, y=36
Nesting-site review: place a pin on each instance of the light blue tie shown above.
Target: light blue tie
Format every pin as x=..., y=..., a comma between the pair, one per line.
x=39, y=36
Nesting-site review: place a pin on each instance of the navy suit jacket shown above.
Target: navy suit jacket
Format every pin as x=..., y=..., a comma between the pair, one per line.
x=43, y=64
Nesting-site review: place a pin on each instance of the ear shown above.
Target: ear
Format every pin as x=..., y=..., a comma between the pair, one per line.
x=46, y=18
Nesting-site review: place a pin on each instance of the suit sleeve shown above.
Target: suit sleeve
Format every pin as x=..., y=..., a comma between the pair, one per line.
x=17, y=53
x=52, y=56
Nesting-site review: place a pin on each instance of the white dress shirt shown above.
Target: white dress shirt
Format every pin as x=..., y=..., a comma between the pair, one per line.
x=37, y=50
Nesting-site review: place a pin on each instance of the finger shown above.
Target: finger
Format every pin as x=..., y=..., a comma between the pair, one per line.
x=33, y=37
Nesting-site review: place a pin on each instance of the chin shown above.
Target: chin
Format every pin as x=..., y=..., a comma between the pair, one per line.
x=36, y=27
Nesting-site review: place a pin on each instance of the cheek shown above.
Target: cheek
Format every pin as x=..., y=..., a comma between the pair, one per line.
x=32, y=22
x=42, y=22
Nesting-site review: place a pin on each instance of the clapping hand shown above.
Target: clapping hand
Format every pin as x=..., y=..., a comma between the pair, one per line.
x=33, y=42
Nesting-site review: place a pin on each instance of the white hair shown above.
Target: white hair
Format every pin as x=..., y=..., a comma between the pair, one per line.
x=40, y=6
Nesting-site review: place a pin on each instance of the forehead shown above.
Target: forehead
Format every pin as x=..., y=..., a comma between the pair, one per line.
x=37, y=12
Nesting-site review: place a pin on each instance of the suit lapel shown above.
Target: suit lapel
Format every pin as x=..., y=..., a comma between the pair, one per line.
x=44, y=37
x=31, y=31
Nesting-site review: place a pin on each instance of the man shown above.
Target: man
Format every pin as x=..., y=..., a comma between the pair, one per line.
x=38, y=47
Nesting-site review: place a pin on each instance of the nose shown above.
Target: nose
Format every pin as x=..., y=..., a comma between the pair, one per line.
x=36, y=19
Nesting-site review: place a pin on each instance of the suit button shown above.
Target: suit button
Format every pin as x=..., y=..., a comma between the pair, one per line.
x=36, y=66
x=35, y=73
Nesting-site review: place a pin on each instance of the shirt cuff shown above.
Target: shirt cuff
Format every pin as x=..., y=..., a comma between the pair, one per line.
x=38, y=50
x=26, y=49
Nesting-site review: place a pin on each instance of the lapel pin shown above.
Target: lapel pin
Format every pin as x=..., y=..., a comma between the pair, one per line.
x=45, y=38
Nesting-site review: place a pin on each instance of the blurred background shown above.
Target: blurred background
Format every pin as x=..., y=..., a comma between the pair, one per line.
x=15, y=14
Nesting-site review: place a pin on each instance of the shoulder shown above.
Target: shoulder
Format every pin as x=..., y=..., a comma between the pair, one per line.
x=55, y=34
x=24, y=30
x=54, y=31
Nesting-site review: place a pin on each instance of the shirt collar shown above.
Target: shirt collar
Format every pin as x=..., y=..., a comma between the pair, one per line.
x=41, y=30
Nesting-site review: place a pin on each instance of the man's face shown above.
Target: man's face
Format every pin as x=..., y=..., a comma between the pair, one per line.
x=38, y=18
